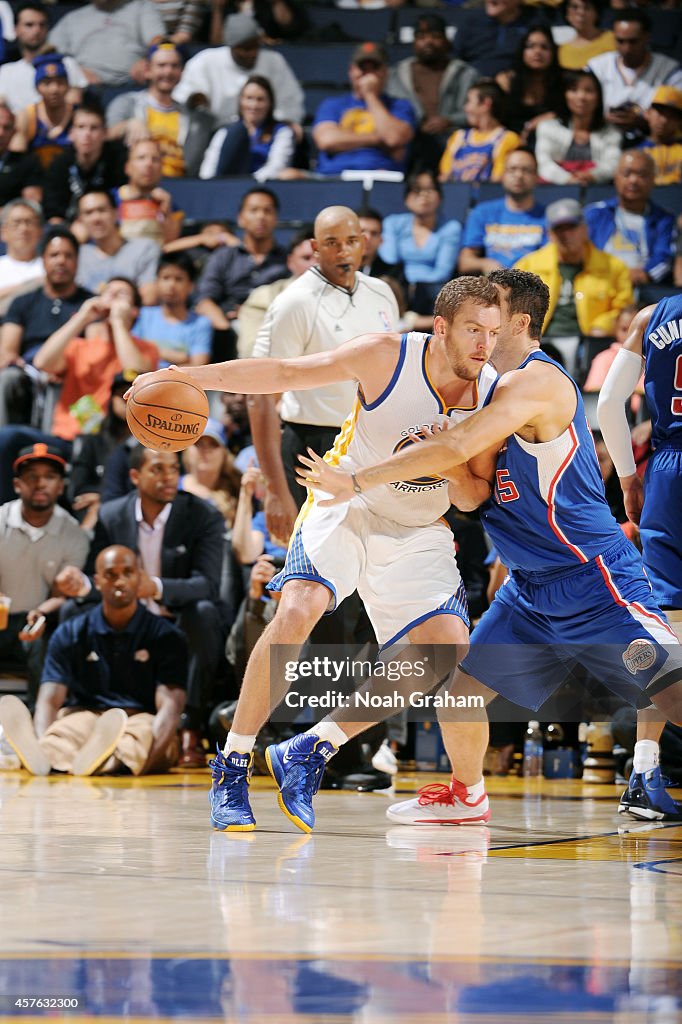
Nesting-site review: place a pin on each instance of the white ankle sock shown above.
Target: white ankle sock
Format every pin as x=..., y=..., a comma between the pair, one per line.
x=476, y=791
x=331, y=732
x=646, y=756
x=243, y=744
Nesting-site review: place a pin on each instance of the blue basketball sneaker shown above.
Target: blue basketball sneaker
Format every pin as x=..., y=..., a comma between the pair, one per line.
x=646, y=797
x=297, y=766
x=229, y=793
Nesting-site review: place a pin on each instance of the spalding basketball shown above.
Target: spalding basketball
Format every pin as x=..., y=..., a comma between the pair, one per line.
x=169, y=413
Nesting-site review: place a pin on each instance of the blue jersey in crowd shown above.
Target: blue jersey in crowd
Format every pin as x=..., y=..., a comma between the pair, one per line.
x=502, y=234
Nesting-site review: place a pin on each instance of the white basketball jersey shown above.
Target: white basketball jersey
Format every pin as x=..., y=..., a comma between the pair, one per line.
x=403, y=415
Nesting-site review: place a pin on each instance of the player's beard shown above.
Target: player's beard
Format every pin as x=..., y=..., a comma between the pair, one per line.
x=463, y=369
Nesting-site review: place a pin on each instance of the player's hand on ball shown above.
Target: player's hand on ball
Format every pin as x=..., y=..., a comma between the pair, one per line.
x=146, y=378
x=320, y=476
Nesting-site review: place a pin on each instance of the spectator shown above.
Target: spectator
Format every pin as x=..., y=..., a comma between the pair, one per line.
x=578, y=147
x=17, y=79
x=32, y=318
x=256, y=610
x=534, y=83
x=210, y=472
x=89, y=350
x=235, y=270
x=601, y=364
x=588, y=288
x=286, y=19
x=630, y=76
x=300, y=257
x=499, y=232
x=364, y=129
x=180, y=542
x=491, y=36
x=182, y=133
x=214, y=78
x=21, y=175
x=182, y=19
x=630, y=226
x=664, y=144
x=181, y=335
x=589, y=39
x=21, y=268
x=477, y=153
x=92, y=451
x=112, y=689
x=145, y=210
x=89, y=162
x=37, y=538
x=110, y=38
x=423, y=241
x=43, y=128
x=250, y=535
x=434, y=82
x=254, y=143
x=107, y=254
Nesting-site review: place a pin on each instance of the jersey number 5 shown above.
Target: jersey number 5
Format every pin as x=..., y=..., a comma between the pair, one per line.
x=676, y=404
x=506, y=488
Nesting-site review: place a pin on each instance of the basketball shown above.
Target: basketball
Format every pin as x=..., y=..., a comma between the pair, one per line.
x=169, y=413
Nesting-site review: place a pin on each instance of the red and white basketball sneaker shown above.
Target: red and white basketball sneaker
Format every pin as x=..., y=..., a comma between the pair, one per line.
x=441, y=805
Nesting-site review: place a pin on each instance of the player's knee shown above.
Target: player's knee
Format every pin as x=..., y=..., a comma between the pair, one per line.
x=300, y=609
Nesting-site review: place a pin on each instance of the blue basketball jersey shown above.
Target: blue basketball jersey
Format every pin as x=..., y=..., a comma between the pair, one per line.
x=548, y=509
x=662, y=351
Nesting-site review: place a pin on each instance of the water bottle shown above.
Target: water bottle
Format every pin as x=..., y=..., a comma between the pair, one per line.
x=532, y=751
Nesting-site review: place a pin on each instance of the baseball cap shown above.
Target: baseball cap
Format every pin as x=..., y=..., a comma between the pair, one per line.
x=366, y=52
x=667, y=96
x=39, y=452
x=241, y=28
x=431, y=23
x=564, y=211
x=167, y=46
x=49, y=65
x=216, y=431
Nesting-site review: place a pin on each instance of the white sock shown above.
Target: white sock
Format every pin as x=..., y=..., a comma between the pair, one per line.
x=476, y=791
x=646, y=756
x=331, y=732
x=242, y=744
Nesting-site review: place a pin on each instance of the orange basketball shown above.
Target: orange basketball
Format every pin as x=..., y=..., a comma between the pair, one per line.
x=169, y=413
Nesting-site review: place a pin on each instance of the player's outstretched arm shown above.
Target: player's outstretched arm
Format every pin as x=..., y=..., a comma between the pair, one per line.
x=518, y=400
x=621, y=381
x=359, y=359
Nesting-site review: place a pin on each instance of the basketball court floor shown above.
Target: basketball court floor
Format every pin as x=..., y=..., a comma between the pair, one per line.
x=119, y=903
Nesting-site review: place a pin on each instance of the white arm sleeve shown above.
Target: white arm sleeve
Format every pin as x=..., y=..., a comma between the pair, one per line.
x=621, y=381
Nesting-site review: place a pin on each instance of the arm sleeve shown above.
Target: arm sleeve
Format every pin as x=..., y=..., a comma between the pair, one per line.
x=121, y=108
x=58, y=667
x=146, y=263
x=212, y=281
x=200, y=337
x=389, y=250
x=279, y=155
x=662, y=248
x=207, y=560
x=549, y=151
x=474, y=229
x=209, y=165
x=621, y=381
x=288, y=92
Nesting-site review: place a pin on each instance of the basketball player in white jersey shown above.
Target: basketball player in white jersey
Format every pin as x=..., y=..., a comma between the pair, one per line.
x=390, y=545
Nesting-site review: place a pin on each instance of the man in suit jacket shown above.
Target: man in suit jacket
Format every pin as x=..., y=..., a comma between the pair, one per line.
x=180, y=542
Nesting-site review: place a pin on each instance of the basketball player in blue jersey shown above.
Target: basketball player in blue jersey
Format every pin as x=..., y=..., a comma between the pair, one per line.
x=655, y=339
x=391, y=545
x=574, y=578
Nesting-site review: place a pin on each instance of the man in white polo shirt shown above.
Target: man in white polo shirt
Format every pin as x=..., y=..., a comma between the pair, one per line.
x=328, y=305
